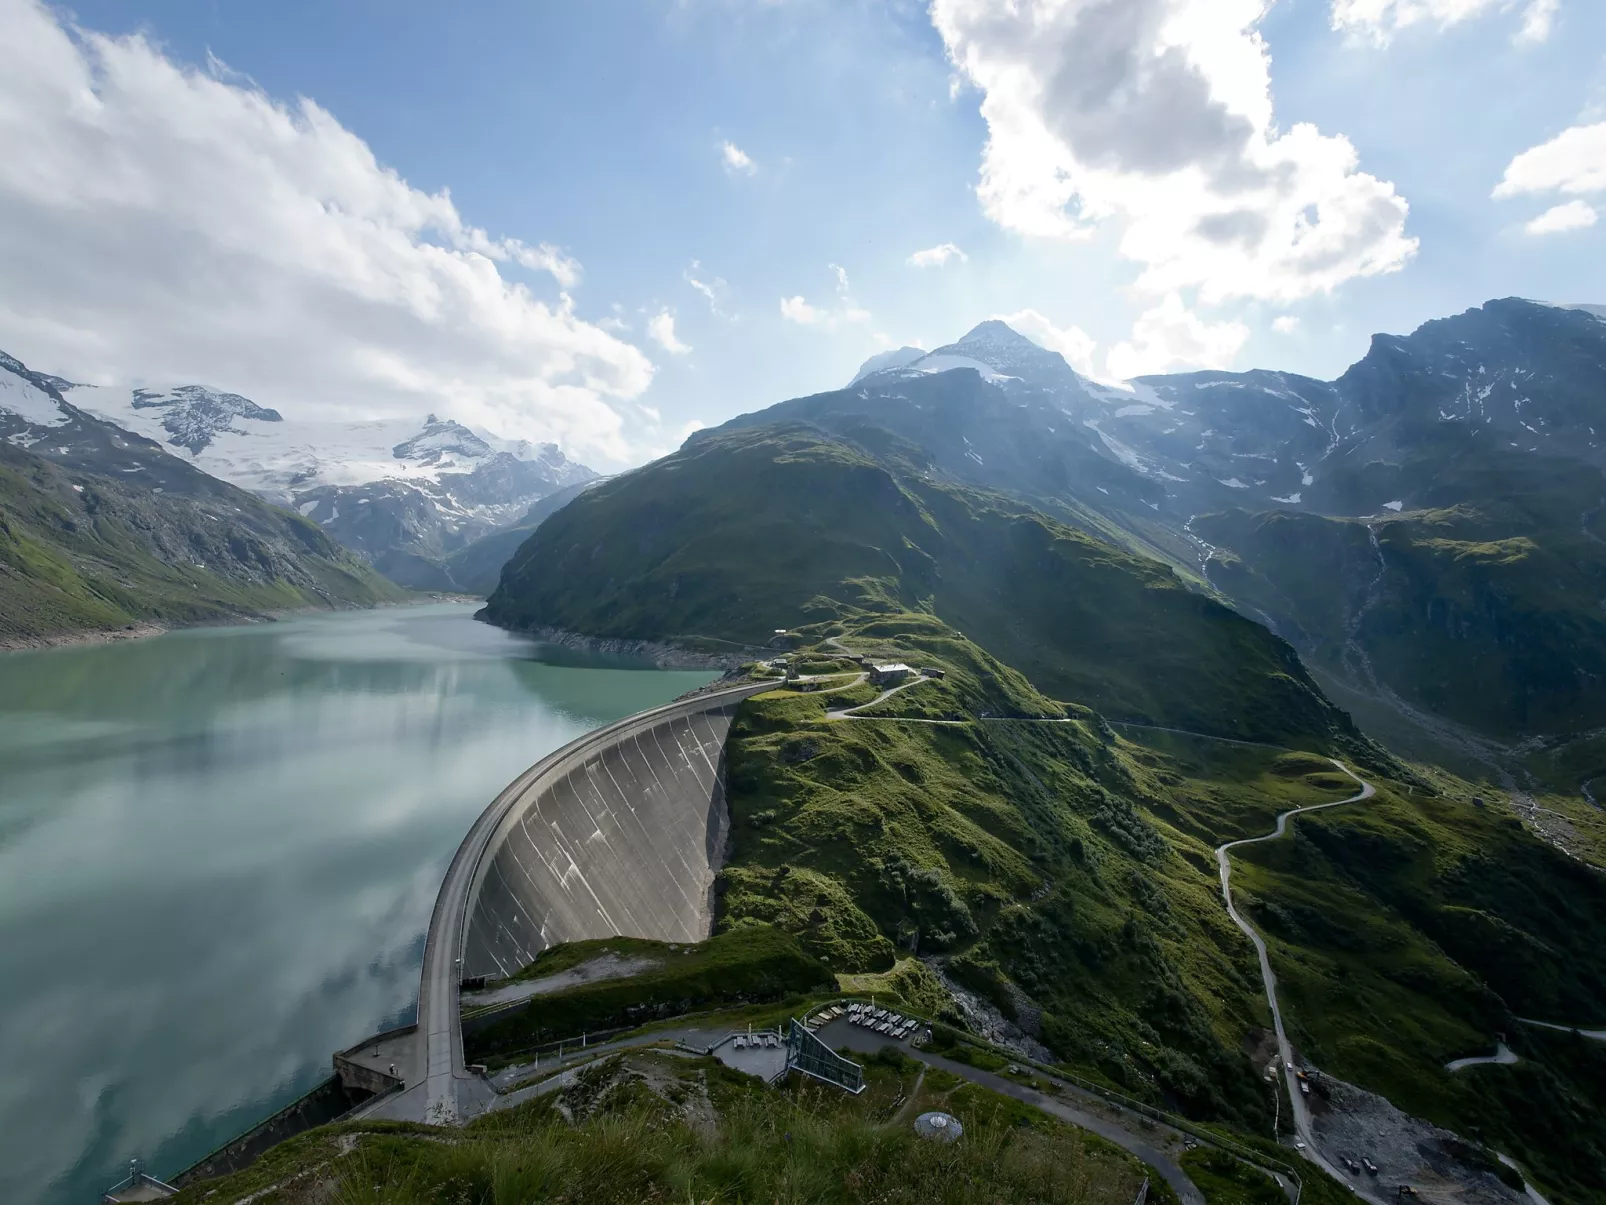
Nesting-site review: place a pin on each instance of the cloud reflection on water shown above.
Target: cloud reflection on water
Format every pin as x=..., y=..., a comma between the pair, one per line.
x=218, y=855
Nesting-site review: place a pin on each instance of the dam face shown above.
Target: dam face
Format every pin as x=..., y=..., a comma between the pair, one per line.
x=620, y=833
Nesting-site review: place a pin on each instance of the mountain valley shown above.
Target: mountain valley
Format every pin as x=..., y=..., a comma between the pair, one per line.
x=1150, y=611
x=104, y=531
x=402, y=496
x=1121, y=590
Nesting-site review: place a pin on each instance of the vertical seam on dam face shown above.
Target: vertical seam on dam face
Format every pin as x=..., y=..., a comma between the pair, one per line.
x=624, y=838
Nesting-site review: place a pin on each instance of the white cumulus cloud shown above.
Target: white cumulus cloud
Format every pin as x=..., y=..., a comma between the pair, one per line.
x=1285, y=324
x=1573, y=162
x=164, y=223
x=661, y=330
x=936, y=257
x=1569, y=215
x=1072, y=342
x=796, y=309
x=1158, y=114
x=1380, y=20
x=1172, y=336
x=737, y=161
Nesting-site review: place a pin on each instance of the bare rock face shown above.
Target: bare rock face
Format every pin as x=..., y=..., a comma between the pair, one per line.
x=404, y=496
x=194, y=415
x=1352, y=1125
x=101, y=530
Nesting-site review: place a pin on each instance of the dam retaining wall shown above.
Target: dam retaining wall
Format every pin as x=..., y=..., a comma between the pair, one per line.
x=621, y=832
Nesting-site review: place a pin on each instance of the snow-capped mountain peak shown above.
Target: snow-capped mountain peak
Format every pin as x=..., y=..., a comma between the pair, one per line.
x=993, y=349
x=1009, y=353
x=886, y=361
x=439, y=439
x=995, y=337
x=26, y=402
x=193, y=415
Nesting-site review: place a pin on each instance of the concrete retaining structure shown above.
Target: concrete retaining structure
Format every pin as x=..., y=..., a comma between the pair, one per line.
x=365, y=1067
x=621, y=832
x=327, y=1102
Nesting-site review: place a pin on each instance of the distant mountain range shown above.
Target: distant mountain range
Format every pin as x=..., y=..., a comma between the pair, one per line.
x=1423, y=529
x=104, y=530
x=405, y=497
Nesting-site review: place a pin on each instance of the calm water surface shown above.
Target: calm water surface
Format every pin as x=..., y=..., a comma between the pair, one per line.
x=218, y=854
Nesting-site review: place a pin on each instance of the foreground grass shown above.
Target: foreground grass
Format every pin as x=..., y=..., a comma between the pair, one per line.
x=654, y=1128
x=1226, y=1181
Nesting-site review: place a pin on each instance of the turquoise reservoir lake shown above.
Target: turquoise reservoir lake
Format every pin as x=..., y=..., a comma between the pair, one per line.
x=218, y=854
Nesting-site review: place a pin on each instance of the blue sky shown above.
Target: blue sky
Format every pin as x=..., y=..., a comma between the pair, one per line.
x=598, y=131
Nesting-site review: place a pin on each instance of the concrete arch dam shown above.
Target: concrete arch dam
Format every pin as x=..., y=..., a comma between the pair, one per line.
x=619, y=832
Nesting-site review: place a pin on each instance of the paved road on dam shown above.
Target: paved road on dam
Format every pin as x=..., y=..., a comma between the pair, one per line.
x=1285, y=1052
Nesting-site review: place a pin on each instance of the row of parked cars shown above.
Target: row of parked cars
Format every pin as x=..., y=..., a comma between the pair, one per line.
x=881, y=1020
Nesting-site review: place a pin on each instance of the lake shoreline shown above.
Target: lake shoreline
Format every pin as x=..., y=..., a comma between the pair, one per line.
x=256, y=818
x=659, y=653
x=78, y=638
x=82, y=637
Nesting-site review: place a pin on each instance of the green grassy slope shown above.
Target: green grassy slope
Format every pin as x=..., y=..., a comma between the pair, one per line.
x=83, y=552
x=1482, y=604
x=652, y=1128
x=1060, y=867
x=1410, y=931
x=754, y=529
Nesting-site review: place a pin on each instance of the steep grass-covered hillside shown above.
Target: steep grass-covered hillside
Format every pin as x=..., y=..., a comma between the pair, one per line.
x=1065, y=870
x=1480, y=600
x=751, y=530
x=85, y=552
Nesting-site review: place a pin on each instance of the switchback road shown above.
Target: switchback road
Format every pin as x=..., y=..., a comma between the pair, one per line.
x=1285, y=1054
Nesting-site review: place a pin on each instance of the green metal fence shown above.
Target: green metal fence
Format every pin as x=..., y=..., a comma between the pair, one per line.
x=806, y=1053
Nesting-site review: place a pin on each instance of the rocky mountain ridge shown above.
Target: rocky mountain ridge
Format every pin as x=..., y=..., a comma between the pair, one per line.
x=403, y=495
x=103, y=530
x=1527, y=371
x=1454, y=475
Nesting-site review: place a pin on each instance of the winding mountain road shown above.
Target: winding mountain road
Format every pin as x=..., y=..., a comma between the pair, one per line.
x=1503, y=1056
x=1285, y=1054
x=1598, y=1035
x=847, y=713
